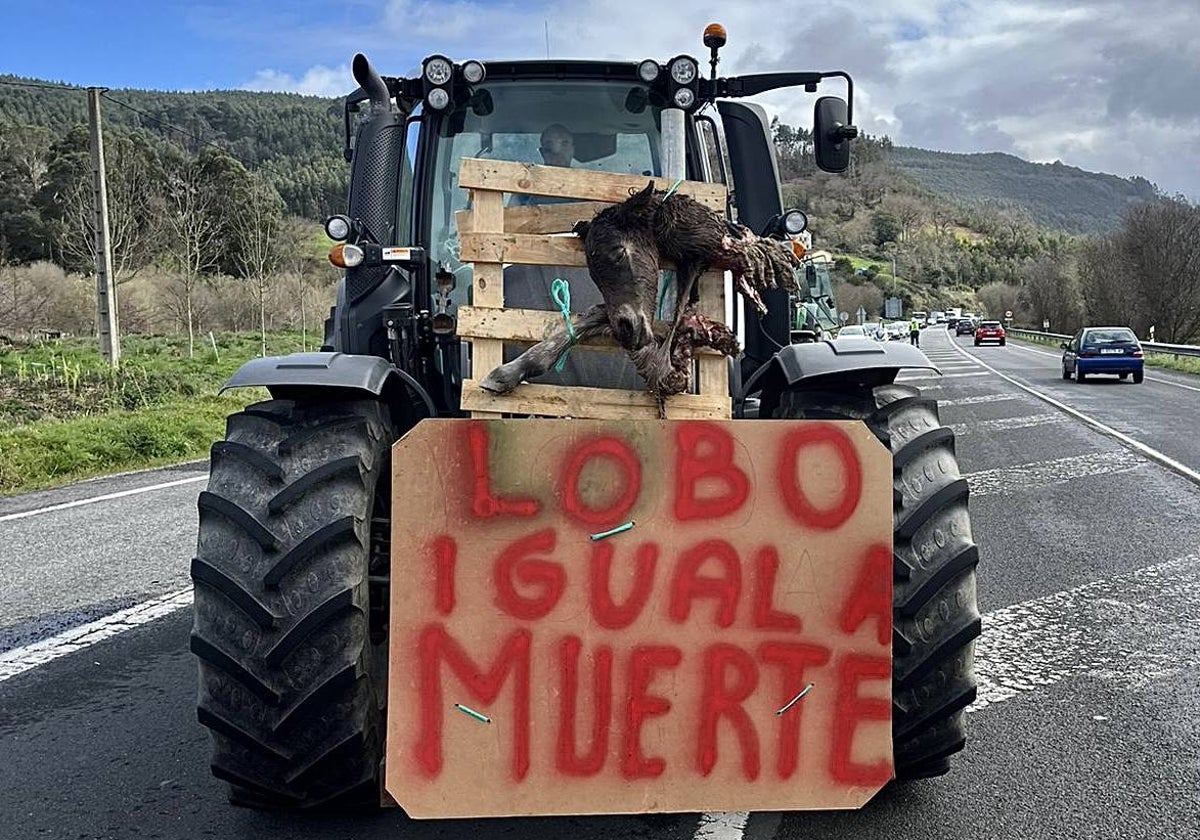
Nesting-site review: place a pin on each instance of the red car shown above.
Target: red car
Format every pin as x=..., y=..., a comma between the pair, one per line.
x=989, y=331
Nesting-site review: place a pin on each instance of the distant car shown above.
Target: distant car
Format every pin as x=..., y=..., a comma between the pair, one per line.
x=853, y=331
x=898, y=330
x=989, y=331
x=965, y=326
x=876, y=330
x=1111, y=350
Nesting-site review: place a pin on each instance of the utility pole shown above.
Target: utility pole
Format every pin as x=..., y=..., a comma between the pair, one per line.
x=106, y=293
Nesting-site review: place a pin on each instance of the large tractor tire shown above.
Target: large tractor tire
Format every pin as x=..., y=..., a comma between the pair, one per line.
x=935, y=617
x=288, y=628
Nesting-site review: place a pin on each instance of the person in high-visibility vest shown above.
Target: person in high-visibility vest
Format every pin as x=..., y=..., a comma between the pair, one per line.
x=914, y=332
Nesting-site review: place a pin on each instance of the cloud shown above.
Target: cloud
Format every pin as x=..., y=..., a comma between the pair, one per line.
x=315, y=81
x=1093, y=83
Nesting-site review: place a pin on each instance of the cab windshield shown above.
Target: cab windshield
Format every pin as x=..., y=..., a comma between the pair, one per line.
x=612, y=127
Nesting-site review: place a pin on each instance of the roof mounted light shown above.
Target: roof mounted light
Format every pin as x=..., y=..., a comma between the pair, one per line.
x=338, y=228
x=438, y=70
x=684, y=97
x=648, y=70
x=684, y=70
x=437, y=98
x=473, y=72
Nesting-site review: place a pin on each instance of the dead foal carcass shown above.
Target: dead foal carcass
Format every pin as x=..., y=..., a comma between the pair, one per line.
x=626, y=245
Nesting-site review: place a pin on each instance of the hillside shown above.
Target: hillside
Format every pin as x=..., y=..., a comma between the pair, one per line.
x=295, y=139
x=1053, y=195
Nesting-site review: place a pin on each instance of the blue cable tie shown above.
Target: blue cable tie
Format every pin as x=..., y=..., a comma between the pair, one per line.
x=560, y=291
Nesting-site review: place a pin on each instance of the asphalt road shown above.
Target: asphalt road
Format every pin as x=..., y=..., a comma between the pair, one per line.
x=1090, y=682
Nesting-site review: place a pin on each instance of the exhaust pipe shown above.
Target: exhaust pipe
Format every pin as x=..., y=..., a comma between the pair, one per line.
x=370, y=81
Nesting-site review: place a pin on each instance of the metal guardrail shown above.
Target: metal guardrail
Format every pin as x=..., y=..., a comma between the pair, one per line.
x=1175, y=350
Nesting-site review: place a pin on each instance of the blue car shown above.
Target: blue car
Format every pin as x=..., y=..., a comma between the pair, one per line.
x=1111, y=350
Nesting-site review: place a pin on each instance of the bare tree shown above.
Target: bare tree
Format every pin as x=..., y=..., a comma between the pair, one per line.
x=1162, y=241
x=259, y=232
x=998, y=298
x=1051, y=292
x=192, y=231
x=1106, y=282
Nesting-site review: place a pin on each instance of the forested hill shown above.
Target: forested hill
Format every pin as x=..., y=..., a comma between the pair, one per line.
x=296, y=140
x=1052, y=195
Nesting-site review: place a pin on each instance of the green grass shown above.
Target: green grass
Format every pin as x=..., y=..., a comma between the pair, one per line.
x=64, y=415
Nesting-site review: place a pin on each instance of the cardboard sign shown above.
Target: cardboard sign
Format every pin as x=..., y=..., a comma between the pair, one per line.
x=612, y=617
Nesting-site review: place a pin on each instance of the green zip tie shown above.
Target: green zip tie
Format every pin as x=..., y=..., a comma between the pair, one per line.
x=560, y=291
x=674, y=187
x=618, y=530
x=482, y=718
x=795, y=699
x=668, y=276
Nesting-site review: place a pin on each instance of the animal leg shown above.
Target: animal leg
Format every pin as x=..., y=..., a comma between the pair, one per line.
x=541, y=357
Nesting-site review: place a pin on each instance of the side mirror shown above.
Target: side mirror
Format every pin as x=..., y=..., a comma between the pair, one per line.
x=1063, y=345
x=831, y=134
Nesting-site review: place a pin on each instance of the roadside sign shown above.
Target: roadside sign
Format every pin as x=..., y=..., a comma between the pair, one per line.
x=844, y=317
x=862, y=315
x=893, y=307
x=1008, y=314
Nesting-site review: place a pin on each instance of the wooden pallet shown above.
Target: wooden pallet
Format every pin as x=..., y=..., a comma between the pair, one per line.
x=492, y=235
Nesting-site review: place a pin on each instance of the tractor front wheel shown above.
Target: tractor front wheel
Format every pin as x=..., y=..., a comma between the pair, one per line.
x=288, y=634
x=935, y=618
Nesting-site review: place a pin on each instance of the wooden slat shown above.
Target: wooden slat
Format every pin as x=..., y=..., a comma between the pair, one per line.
x=522, y=249
x=534, y=179
x=599, y=403
x=713, y=371
x=488, y=284
x=529, y=326
x=539, y=218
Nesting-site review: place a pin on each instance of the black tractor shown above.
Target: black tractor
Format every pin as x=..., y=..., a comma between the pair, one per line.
x=292, y=567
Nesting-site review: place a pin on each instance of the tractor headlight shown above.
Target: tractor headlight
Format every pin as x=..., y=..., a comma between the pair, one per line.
x=438, y=98
x=473, y=72
x=438, y=70
x=337, y=228
x=684, y=97
x=684, y=70
x=794, y=222
x=648, y=70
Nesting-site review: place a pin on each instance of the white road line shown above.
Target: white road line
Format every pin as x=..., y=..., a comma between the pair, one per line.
x=1005, y=424
x=1128, y=629
x=1148, y=377
x=106, y=497
x=903, y=378
x=721, y=826
x=1024, y=477
x=20, y=660
x=1136, y=445
x=981, y=398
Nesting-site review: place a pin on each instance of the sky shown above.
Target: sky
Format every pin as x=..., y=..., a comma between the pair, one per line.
x=1105, y=85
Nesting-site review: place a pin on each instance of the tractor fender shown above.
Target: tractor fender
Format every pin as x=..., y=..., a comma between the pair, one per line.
x=329, y=373
x=800, y=365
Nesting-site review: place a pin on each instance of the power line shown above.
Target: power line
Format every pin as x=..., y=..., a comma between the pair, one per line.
x=165, y=124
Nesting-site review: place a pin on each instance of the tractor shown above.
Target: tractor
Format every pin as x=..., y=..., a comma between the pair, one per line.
x=306, y=545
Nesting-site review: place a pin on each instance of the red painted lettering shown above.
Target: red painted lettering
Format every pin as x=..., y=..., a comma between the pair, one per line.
x=436, y=646
x=644, y=660
x=569, y=760
x=515, y=565
x=688, y=584
x=871, y=596
x=613, y=449
x=484, y=503
x=766, y=617
x=851, y=710
x=715, y=466
x=607, y=613
x=794, y=497
x=720, y=699
x=445, y=555
x=792, y=658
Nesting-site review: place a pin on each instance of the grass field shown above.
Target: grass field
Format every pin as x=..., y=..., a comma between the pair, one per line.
x=64, y=415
